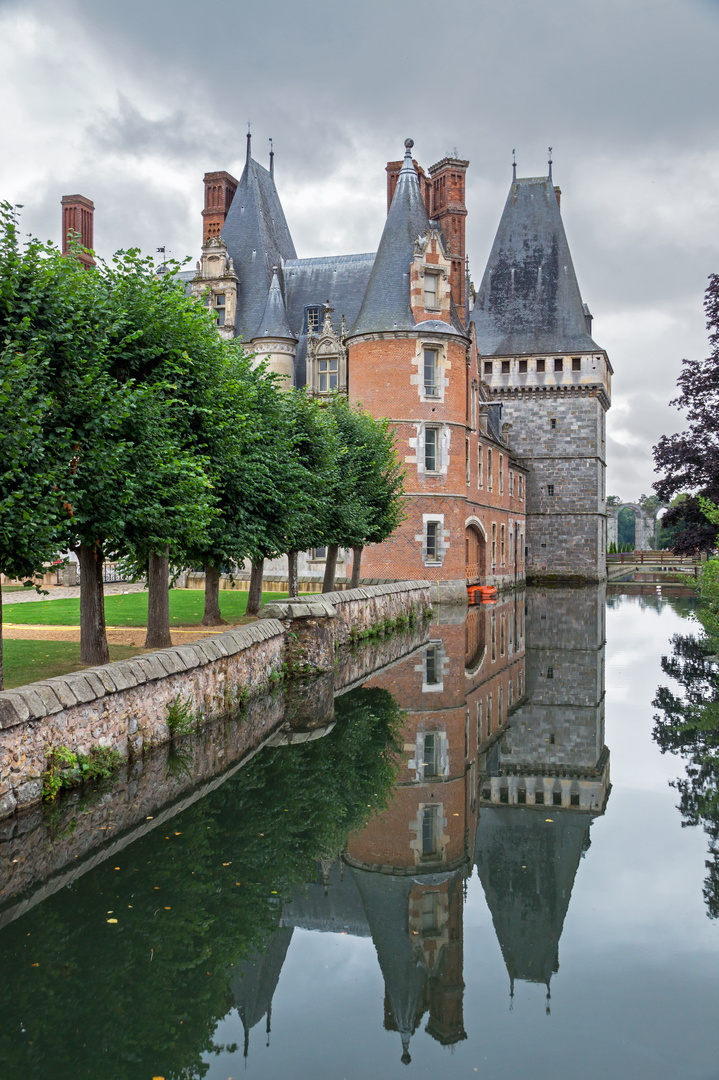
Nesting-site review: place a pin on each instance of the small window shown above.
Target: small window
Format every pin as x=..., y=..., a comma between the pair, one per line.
x=494, y=545
x=489, y=470
x=521, y=796
x=431, y=676
x=431, y=372
x=550, y=672
x=480, y=455
x=502, y=550
x=576, y=363
x=429, y=765
x=501, y=474
x=558, y=363
x=430, y=913
x=522, y=366
x=312, y=319
x=541, y=365
x=574, y=798
x=433, y=541
x=319, y=553
x=550, y=489
x=430, y=449
x=327, y=374
x=487, y=367
x=505, y=367
x=511, y=482
x=430, y=291
x=429, y=830
x=521, y=488
x=467, y=459
x=489, y=715
x=553, y=424
x=557, y=798
x=539, y=798
x=220, y=308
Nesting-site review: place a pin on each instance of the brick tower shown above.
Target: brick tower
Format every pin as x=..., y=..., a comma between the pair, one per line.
x=220, y=188
x=411, y=360
x=538, y=359
x=78, y=214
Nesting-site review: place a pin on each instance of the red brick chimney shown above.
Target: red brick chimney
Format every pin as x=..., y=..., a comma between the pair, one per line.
x=78, y=214
x=425, y=184
x=448, y=207
x=220, y=188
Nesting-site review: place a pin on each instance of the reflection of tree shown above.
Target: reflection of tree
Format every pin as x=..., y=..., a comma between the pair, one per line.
x=192, y=899
x=689, y=725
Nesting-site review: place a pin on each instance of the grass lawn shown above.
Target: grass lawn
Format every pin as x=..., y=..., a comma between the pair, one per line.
x=32, y=661
x=186, y=607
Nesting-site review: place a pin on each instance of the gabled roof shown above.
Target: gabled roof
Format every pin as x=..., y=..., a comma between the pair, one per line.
x=386, y=303
x=258, y=240
x=529, y=300
x=274, y=322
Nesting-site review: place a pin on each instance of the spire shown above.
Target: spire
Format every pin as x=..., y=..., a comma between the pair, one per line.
x=386, y=303
x=272, y=160
x=550, y=165
x=529, y=300
x=248, y=156
x=273, y=323
x=514, y=166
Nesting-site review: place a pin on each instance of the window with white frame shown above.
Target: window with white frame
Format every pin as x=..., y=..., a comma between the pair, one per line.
x=501, y=474
x=511, y=482
x=502, y=547
x=494, y=544
x=431, y=291
x=467, y=458
x=480, y=455
x=430, y=764
x=430, y=823
x=489, y=470
x=431, y=449
x=327, y=374
x=431, y=373
x=433, y=541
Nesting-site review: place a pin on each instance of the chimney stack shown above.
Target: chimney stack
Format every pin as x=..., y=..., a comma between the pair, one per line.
x=78, y=213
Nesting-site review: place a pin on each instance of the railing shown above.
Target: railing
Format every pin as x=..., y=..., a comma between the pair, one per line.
x=654, y=558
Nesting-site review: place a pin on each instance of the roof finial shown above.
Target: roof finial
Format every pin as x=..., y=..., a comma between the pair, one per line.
x=249, y=142
x=514, y=165
x=408, y=164
x=550, y=163
x=272, y=160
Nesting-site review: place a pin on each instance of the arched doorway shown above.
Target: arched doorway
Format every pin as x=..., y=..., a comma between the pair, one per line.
x=475, y=548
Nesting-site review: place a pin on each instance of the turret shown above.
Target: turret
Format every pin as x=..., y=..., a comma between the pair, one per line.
x=274, y=340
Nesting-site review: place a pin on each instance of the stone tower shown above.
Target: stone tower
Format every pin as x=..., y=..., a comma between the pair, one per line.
x=540, y=363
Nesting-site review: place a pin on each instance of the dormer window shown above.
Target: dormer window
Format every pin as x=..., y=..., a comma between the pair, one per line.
x=327, y=374
x=312, y=319
x=220, y=308
x=431, y=291
x=431, y=373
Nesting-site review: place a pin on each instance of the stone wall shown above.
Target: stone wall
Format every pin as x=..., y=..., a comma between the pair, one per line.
x=124, y=705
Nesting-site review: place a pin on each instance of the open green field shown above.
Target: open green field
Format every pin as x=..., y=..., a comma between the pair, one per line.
x=32, y=661
x=186, y=607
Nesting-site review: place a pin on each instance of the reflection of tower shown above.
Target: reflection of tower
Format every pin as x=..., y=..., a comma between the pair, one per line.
x=545, y=781
x=255, y=982
x=410, y=862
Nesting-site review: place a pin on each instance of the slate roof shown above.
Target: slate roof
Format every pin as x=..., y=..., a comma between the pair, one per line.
x=527, y=865
x=386, y=303
x=255, y=980
x=258, y=239
x=341, y=279
x=274, y=322
x=529, y=300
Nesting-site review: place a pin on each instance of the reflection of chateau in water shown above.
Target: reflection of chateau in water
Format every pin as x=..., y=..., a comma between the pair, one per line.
x=544, y=781
x=495, y=742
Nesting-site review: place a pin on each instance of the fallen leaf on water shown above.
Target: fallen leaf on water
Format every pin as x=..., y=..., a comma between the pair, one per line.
x=117, y=868
x=549, y=819
x=178, y=834
x=455, y=815
x=226, y=864
x=238, y=883
x=156, y=887
x=112, y=920
x=34, y=965
x=149, y=817
x=168, y=909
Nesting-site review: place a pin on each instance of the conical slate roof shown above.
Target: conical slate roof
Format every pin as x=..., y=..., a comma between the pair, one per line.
x=529, y=300
x=386, y=303
x=527, y=861
x=274, y=323
x=255, y=981
x=258, y=240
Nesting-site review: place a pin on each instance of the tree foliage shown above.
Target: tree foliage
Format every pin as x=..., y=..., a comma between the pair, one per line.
x=689, y=460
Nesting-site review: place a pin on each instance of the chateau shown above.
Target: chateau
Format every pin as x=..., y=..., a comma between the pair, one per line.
x=498, y=399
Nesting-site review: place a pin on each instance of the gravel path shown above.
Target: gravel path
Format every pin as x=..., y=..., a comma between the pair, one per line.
x=60, y=592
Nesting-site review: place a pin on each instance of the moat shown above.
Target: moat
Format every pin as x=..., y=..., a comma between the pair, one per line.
x=477, y=863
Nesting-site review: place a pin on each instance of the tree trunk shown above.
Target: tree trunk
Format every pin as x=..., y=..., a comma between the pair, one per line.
x=254, y=597
x=356, y=566
x=93, y=636
x=328, y=585
x=158, y=603
x=212, y=616
x=292, y=573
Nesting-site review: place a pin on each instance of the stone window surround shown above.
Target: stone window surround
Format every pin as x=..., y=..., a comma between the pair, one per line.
x=442, y=539
x=416, y=445
x=443, y=367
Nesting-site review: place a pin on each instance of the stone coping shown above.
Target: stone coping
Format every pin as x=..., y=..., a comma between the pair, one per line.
x=37, y=700
x=364, y=592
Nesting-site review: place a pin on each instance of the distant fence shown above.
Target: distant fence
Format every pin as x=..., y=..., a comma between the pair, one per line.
x=653, y=558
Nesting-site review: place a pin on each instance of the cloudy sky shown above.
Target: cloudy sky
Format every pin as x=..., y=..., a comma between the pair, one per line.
x=130, y=101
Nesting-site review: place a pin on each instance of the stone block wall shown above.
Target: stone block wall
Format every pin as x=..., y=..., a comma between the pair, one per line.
x=124, y=705
x=566, y=527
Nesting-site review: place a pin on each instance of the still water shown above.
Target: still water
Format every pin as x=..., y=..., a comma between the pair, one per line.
x=482, y=869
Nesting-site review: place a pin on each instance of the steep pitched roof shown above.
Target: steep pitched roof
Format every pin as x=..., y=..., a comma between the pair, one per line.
x=386, y=303
x=258, y=239
x=529, y=299
x=273, y=323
